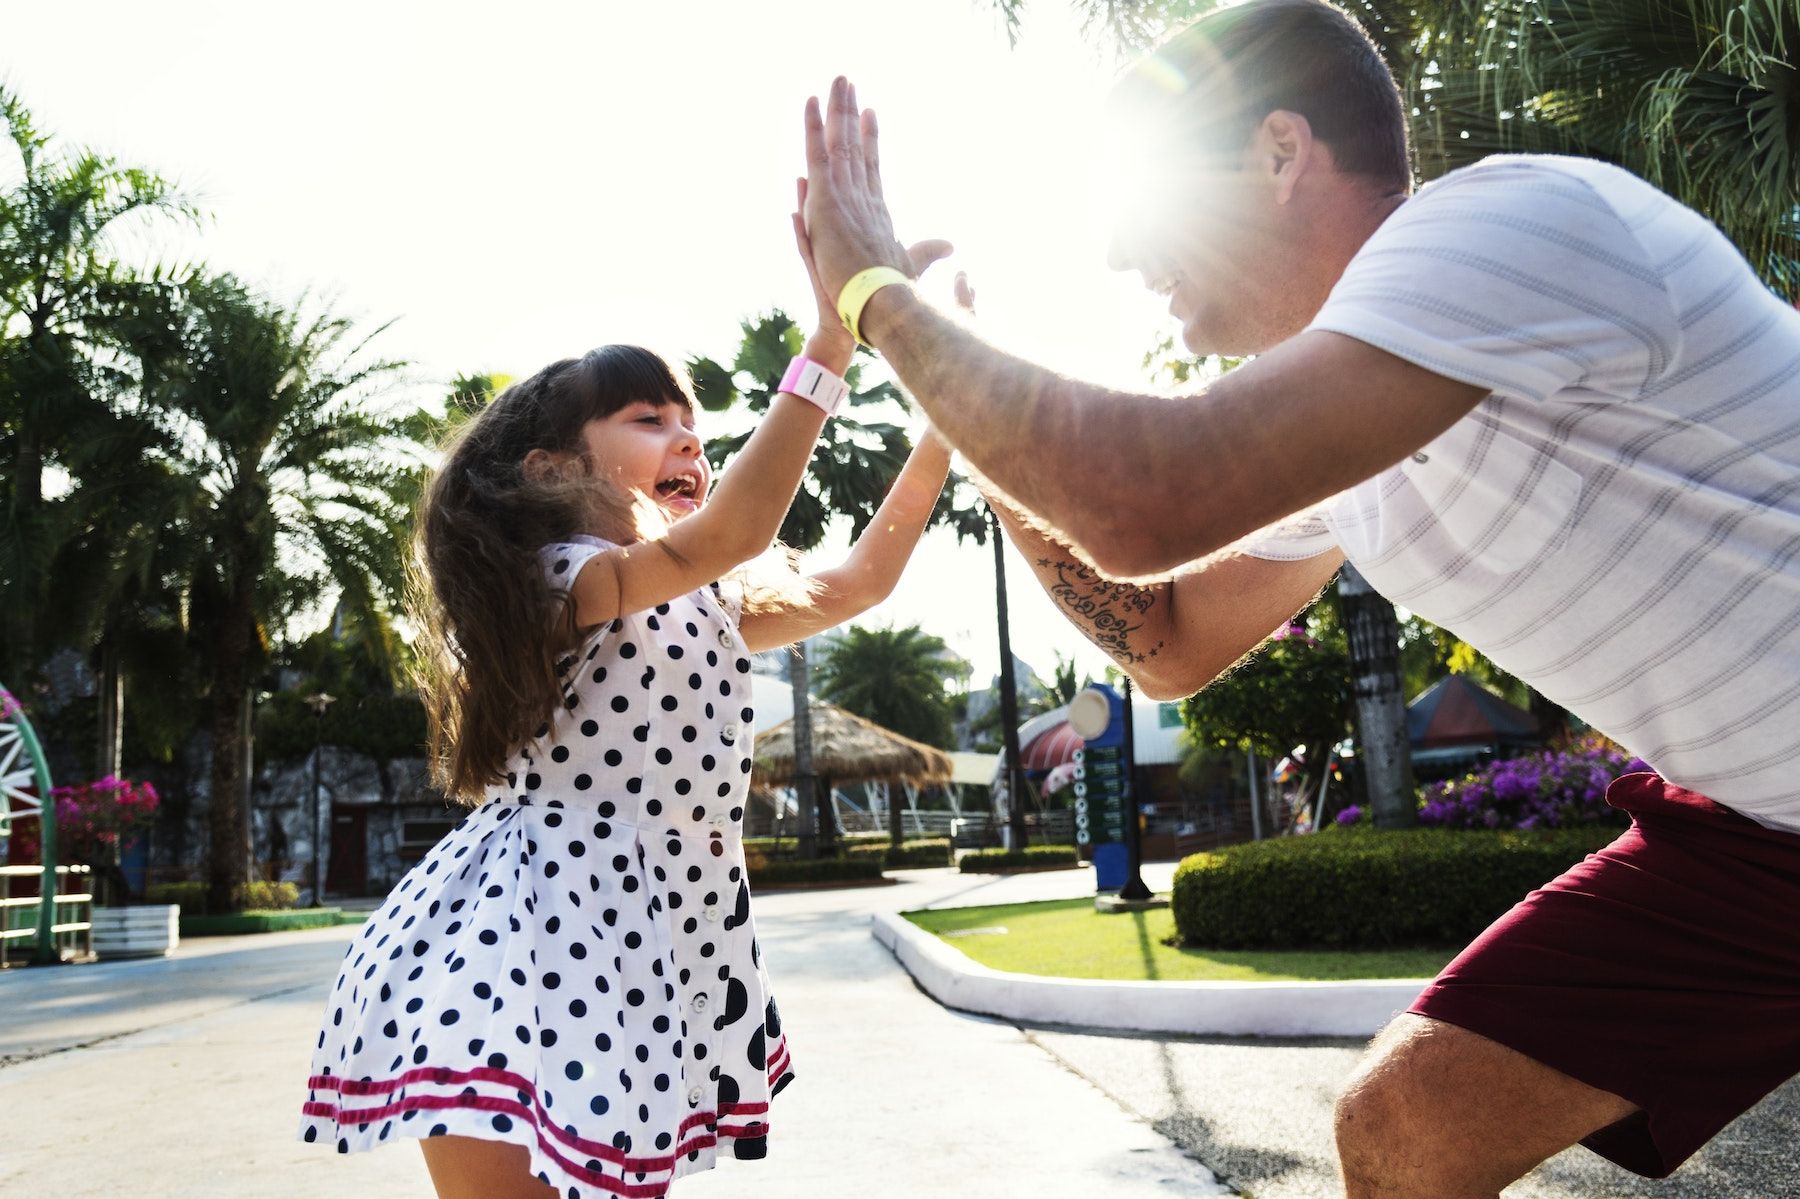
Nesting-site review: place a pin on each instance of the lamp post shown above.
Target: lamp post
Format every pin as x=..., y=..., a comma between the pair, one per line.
x=1009, y=696
x=318, y=702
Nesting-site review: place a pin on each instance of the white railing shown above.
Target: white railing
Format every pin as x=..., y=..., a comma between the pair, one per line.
x=19, y=914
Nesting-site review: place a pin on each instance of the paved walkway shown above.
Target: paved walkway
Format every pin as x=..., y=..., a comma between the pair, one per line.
x=181, y=1077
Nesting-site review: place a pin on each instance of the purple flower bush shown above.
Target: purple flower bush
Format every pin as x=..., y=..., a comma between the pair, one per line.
x=1557, y=788
x=1349, y=815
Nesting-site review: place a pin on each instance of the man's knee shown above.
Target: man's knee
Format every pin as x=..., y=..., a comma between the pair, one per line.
x=1396, y=1120
x=1375, y=1118
x=1437, y=1110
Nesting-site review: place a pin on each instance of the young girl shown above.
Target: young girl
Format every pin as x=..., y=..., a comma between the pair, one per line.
x=565, y=997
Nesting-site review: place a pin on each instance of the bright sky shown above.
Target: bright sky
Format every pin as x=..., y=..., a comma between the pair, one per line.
x=517, y=183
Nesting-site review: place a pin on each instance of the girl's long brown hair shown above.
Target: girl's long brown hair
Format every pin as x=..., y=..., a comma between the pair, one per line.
x=491, y=628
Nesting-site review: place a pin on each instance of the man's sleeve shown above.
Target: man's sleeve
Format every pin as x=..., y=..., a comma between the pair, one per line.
x=1292, y=540
x=1515, y=276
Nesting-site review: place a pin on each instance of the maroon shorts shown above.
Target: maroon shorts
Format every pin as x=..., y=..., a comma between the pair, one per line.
x=1664, y=969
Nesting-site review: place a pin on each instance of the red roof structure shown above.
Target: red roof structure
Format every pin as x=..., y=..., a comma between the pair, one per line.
x=1456, y=711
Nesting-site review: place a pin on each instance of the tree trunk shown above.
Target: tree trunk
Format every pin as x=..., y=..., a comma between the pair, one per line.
x=896, y=829
x=1381, y=742
x=228, y=853
x=1009, y=695
x=18, y=647
x=1552, y=718
x=804, y=783
x=109, y=876
x=827, y=818
x=111, y=697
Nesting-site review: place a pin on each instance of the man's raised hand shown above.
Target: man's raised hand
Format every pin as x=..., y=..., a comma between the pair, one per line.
x=847, y=220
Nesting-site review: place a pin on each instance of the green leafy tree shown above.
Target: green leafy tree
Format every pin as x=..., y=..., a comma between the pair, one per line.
x=1064, y=683
x=63, y=297
x=309, y=489
x=895, y=677
x=1293, y=691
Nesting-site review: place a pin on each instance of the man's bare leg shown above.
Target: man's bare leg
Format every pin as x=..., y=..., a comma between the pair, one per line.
x=1438, y=1112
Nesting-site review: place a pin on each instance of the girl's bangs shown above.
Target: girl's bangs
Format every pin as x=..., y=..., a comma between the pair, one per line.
x=618, y=375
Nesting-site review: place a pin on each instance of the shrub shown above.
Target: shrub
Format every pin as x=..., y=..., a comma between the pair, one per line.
x=92, y=819
x=1553, y=789
x=258, y=896
x=988, y=861
x=1368, y=890
x=912, y=855
x=787, y=871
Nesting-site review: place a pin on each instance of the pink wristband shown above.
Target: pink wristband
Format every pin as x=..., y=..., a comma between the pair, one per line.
x=813, y=383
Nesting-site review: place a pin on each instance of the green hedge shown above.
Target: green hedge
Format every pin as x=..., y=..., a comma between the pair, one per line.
x=1357, y=890
x=1032, y=857
x=260, y=896
x=912, y=855
x=239, y=923
x=787, y=871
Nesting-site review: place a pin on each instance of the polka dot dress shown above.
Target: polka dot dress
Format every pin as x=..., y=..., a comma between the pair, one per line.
x=574, y=968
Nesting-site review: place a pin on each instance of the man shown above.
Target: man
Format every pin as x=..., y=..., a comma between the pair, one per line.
x=1539, y=403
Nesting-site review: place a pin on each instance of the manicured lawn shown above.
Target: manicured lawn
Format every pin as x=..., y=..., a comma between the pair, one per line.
x=1068, y=938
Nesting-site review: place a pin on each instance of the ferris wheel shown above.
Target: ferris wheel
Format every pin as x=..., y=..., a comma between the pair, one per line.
x=25, y=794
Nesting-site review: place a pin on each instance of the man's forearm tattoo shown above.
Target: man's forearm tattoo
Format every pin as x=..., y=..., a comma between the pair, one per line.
x=1111, y=611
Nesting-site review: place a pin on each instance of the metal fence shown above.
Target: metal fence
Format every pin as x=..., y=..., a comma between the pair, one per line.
x=72, y=920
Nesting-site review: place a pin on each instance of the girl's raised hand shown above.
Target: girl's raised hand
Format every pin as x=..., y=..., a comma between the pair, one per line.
x=831, y=331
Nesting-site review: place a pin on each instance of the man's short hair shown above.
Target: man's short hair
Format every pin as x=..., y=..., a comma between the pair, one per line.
x=1223, y=73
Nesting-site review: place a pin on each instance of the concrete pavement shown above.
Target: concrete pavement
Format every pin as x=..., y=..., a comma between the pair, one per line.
x=183, y=1077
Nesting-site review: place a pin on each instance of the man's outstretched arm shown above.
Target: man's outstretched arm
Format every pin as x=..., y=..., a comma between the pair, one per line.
x=1175, y=636
x=1140, y=484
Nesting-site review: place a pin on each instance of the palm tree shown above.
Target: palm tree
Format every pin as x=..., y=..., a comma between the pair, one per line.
x=852, y=467
x=307, y=490
x=1697, y=96
x=60, y=301
x=126, y=519
x=894, y=677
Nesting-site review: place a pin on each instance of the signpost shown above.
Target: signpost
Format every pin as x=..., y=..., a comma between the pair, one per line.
x=1106, y=813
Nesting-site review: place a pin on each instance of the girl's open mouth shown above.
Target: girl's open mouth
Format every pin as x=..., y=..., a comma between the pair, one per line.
x=680, y=493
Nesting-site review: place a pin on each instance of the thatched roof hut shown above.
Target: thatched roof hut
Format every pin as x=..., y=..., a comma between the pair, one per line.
x=849, y=749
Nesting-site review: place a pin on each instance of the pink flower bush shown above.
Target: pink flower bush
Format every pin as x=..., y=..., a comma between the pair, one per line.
x=91, y=820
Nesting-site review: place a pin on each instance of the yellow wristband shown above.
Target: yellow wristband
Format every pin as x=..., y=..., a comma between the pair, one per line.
x=856, y=293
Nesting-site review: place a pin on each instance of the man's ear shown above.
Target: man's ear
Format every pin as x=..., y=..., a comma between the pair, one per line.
x=1285, y=149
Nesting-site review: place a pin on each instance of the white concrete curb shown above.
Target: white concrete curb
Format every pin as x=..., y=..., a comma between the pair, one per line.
x=1232, y=1009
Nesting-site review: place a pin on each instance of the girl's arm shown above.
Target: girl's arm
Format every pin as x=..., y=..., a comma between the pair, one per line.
x=738, y=522
x=868, y=575
x=744, y=513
